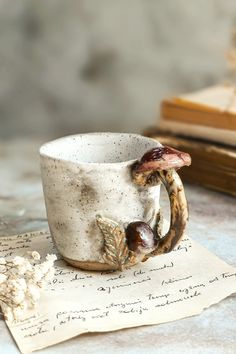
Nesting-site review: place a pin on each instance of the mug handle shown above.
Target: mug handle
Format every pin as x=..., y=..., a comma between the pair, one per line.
x=178, y=209
x=159, y=165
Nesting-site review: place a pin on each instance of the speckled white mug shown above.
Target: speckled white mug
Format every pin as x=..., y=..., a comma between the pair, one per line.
x=86, y=175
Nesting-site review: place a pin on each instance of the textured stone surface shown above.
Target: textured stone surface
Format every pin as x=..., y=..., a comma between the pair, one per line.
x=88, y=65
x=212, y=223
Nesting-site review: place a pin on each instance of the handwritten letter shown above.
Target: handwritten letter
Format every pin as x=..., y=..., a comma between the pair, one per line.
x=163, y=289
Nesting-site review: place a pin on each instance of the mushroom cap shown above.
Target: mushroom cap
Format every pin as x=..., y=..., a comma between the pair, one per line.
x=162, y=158
x=140, y=237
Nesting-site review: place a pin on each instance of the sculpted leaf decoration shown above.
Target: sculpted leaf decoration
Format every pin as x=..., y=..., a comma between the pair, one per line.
x=116, y=252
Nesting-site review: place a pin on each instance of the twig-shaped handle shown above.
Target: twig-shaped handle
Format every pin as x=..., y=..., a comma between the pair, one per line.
x=159, y=165
x=179, y=211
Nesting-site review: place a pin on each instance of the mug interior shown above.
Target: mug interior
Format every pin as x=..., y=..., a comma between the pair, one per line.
x=99, y=147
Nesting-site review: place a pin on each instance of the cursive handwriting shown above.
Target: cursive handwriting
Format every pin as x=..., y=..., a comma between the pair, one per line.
x=152, y=292
x=109, y=289
x=174, y=280
x=180, y=299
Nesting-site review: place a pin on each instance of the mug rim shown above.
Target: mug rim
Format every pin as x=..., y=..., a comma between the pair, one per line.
x=85, y=163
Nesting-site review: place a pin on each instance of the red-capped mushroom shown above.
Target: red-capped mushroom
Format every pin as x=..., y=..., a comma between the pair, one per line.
x=159, y=165
x=158, y=159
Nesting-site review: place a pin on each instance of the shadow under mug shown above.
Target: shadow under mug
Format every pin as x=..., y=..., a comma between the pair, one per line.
x=102, y=192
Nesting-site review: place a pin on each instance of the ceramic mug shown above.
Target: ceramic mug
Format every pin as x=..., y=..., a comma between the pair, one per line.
x=102, y=198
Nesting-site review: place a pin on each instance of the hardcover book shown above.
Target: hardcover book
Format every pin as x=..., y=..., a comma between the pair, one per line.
x=213, y=165
x=208, y=114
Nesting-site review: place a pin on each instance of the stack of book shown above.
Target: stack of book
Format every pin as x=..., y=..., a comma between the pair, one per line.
x=204, y=124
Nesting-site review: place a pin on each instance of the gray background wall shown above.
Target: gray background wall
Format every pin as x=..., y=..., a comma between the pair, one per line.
x=93, y=65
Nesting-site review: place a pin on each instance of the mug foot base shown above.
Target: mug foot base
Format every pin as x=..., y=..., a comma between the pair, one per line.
x=88, y=265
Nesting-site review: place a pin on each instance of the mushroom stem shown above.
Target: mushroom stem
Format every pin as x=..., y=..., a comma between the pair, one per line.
x=179, y=211
x=159, y=165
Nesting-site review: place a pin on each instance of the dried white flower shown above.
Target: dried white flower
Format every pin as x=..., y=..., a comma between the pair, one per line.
x=13, y=284
x=51, y=257
x=8, y=313
x=18, y=260
x=18, y=312
x=50, y=274
x=37, y=275
x=35, y=255
x=3, y=278
x=19, y=296
x=21, y=281
x=23, y=265
x=34, y=292
x=44, y=267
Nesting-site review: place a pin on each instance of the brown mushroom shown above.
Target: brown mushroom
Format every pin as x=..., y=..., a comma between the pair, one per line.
x=156, y=166
x=140, y=237
x=158, y=159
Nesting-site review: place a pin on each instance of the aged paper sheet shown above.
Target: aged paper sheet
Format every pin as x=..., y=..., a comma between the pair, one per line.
x=221, y=97
x=165, y=288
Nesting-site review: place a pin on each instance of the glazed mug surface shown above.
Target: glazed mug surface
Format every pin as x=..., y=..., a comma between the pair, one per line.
x=102, y=192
